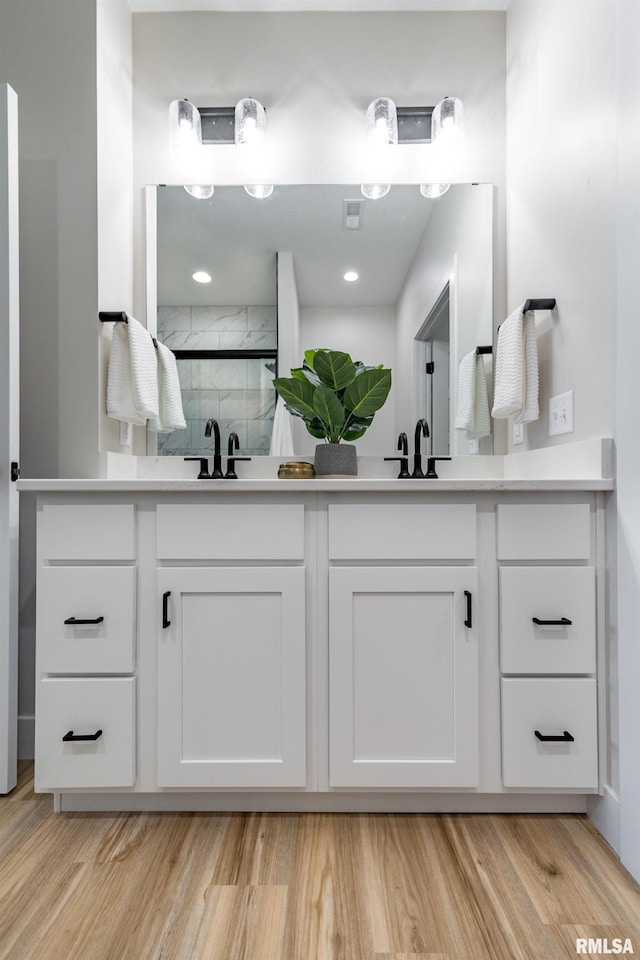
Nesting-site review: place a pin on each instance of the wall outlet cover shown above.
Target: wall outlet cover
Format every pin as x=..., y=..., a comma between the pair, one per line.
x=474, y=445
x=518, y=433
x=561, y=414
x=125, y=434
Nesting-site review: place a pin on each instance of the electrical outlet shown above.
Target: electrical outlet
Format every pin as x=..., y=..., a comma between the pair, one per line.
x=518, y=433
x=125, y=434
x=561, y=414
x=474, y=445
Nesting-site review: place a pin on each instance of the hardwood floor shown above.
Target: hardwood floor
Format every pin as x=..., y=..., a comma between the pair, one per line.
x=196, y=886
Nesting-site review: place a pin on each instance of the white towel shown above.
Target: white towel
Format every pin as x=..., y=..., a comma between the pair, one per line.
x=169, y=394
x=132, y=383
x=281, y=436
x=472, y=413
x=516, y=376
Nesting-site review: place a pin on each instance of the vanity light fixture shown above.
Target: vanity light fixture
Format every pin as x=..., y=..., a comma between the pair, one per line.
x=201, y=191
x=251, y=135
x=201, y=276
x=259, y=190
x=433, y=190
x=351, y=276
x=374, y=191
x=185, y=126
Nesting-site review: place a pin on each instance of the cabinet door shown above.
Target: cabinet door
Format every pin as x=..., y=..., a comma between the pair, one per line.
x=403, y=677
x=231, y=677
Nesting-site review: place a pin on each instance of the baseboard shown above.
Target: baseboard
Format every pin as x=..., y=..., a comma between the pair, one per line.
x=604, y=813
x=26, y=737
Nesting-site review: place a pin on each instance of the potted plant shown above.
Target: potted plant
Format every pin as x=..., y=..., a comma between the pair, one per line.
x=337, y=399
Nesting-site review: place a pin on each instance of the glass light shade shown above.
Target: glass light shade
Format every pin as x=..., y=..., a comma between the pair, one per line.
x=433, y=190
x=382, y=122
x=201, y=191
x=259, y=190
x=374, y=191
x=185, y=126
x=251, y=123
x=447, y=119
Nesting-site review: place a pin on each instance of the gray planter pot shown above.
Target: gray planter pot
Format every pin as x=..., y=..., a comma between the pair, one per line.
x=336, y=460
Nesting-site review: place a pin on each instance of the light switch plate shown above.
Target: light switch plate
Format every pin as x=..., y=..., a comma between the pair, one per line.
x=518, y=433
x=561, y=414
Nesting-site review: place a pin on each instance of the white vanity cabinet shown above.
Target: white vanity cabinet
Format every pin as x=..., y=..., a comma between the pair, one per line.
x=547, y=646
x=231, y=646
x=403, y=647
x=86, y=641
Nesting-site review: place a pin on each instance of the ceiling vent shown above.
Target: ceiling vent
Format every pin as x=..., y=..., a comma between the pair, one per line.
x=352, y=214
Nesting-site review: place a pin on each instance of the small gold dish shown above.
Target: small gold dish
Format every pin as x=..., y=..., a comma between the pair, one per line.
x=296, y=470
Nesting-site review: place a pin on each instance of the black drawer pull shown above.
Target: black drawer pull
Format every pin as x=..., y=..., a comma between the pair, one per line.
x=75, y=622
x=557, y=738
x=468, y=621
x=75, y=737
x=562, y=622
x=165, y=610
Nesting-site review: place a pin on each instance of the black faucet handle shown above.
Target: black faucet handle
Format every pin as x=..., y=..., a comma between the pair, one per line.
x=204, y=466
x=234, y=443
x=403, y=443
x=231, y=467
x=404, y=466
x=431, y=467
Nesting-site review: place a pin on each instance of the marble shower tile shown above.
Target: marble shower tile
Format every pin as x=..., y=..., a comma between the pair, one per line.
x=217, y=319
x=262, y=318
x=173, y=318
x=248, y=340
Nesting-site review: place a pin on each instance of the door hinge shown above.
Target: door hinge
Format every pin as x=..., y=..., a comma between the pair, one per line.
x=15, y=471
x=430, y=367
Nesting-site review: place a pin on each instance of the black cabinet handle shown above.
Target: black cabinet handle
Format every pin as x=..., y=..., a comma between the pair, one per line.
x=467, y=594
x=165, y=610
x=562, y=622
x=75, y=622
x=75, y=737
x=557, y=738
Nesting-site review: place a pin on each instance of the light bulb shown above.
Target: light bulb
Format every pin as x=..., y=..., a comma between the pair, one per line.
x=433, y=190
x=351, y=276
x=185, y=125
x=201, y=191
x=382, y=122
x=251, y=123
x=374, y=191
x=201, y=276
x=259, y=190
x=447, y=119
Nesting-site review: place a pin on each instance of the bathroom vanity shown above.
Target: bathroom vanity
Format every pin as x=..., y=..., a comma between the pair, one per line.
x=367, y=644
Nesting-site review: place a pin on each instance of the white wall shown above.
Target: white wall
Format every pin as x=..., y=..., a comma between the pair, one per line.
x=628, y=432
x=561, y=234
x=367, y=334
x=457, y=244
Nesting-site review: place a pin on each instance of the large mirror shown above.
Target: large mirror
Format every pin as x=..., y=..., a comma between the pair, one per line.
x=422, y=301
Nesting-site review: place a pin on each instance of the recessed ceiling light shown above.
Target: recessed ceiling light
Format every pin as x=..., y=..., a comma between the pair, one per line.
x=350, y=276
x=201, y=276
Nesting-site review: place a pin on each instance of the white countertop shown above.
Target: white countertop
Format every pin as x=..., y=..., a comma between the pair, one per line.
x=583, y=465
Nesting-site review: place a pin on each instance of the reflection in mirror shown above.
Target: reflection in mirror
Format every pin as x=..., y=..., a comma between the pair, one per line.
x=278, y=287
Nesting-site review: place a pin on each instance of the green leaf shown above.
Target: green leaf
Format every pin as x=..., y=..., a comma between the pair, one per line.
x=298, y=373
x=309, y=357
x=335, y=369
x=317, y=429
x=310, y=374
x=353, y=434
x=328, y=407
x=368, y=392
x=297, y=394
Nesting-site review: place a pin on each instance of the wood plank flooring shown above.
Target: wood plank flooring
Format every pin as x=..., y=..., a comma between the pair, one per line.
x=194, y=886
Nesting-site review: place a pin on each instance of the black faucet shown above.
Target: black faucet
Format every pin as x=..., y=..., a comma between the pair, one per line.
x=234, y=443
x=217, y=473
x=403, y=445
x=421, y=427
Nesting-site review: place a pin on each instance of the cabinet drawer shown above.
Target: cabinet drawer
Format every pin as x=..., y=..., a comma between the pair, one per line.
x=211, y=531
x=106, y=594
x=87, y=531
x=537, y=531
x=547, y=593
x=85, y=706
x=552, y=707
x=399, y=531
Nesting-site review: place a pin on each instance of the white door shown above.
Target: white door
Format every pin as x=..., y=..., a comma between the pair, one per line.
x=231, y=677
x=403, y=687
x=9, y=436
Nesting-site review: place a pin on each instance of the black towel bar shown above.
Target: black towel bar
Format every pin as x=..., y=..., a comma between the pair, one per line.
x=487, y=349
x=113, y=316
x=548, y=304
